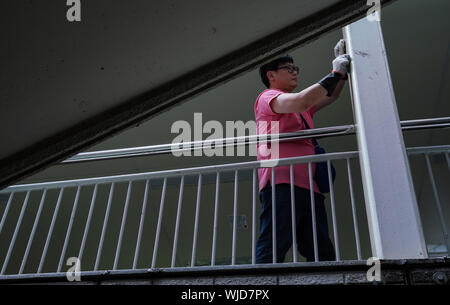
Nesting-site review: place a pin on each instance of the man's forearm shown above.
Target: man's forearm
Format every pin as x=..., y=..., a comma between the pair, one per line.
x=310, y=96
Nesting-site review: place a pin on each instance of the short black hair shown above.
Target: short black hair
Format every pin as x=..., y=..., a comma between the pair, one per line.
x=273, y=66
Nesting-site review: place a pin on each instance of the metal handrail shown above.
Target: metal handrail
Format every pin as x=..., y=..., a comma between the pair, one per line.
x=216, y=143
x=178, y=172
x=208, y=169
x=343, y=130
x=428, y=149
x=130, y=178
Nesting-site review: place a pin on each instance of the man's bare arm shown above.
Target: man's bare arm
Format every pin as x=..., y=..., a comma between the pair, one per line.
x=324, y=91
x=299, y=102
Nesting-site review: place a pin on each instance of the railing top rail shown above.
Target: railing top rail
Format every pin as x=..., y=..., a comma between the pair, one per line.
x=179, y=172
x=428, y=149
x=425, y=121
x=221, y=142
x=208, y=169
x=443, y=122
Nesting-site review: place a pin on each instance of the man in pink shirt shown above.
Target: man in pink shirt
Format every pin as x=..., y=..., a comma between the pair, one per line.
x=278, y=103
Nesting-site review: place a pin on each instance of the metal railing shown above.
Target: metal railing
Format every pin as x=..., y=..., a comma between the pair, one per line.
x=427, y=153
x=410, y=125
x=198, y=172
x=162, y=175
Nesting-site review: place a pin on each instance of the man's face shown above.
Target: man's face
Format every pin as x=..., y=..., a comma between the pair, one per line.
x=285, y=78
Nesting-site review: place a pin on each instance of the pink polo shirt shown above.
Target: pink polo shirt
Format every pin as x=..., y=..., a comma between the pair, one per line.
x=288, y=122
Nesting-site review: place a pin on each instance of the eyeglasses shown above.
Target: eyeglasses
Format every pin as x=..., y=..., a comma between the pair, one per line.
x=290, y=69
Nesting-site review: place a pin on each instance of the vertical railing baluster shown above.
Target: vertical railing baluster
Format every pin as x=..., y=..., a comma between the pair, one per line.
x=33, y=231
x=233, y=250
x=122, y=226
x=438, y=203
x=50, y=231
x=274, y=219
x=105, y=223
x=333, y=212
x=16, y=231
x=141, y=225
x=158, y=228
x=197, y=211
x=313, y=212
x=293, y=216
x=177, y=224
x=216, y=211
x=5, y=213
x=254, y=218
x=355, y=218
x=69, y=229
x=448, y=163
x=88, y=223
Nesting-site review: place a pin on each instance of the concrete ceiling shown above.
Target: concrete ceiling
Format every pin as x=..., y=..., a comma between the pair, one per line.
x=66, y=86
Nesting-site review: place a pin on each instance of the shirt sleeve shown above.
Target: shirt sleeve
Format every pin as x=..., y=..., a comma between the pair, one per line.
x=264, y=102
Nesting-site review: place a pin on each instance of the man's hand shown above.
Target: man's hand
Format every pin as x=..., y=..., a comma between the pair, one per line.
x=332, y=82
x=341, y=64
x=339, y=49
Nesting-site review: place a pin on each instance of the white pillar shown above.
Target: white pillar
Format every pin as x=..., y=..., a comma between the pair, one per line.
x=394, y=222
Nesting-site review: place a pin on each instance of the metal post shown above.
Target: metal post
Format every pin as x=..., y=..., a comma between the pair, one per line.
x=254, y=218
x=16, y=231
x=105, y=223
x=141, y=226
x=177, y=224
x=50, y=231
x=216, y=211
x=122, y=226
x=394, y=223
x=333, y=212
x=233, y=250
x=313, y=212
x=438, y=203
x=448, y=162
x=355, y=218
x=88, y=223
x=158, y=227
x=197, y=213
x=8, y=205
x=69, y=229
x=274, y=219
x=33, y=231
x=293, y=215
